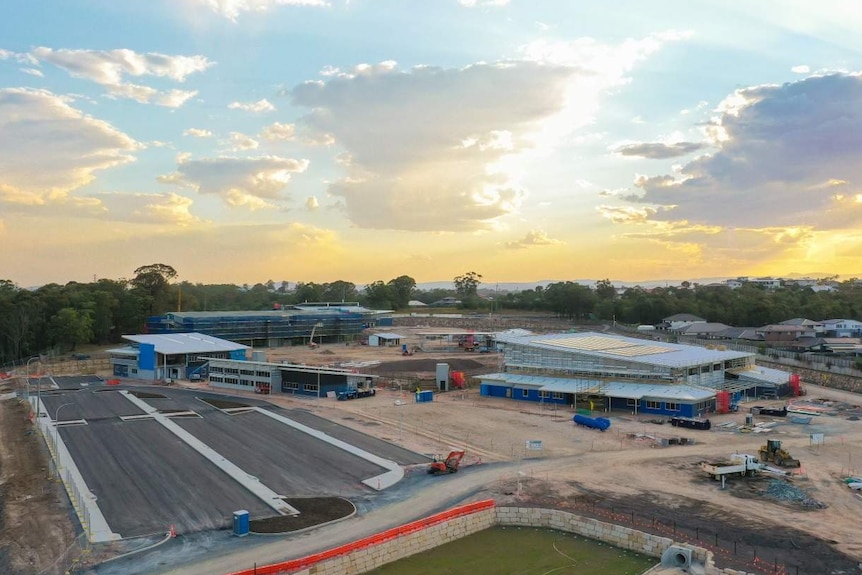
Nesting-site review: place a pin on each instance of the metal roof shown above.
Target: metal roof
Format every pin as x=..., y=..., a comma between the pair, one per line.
x=634, y=350
x=764, y=375
x=387, y=335
x=598, y=387
x=177, y=343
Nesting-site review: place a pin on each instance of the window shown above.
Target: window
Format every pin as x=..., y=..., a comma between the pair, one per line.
x=653, y=404
x=559, y=395
x=310, y=387
x=631, y=402
x=290, y=385
x=716, y=367
x=246, y=372
x=704, y=369
x=692, y=371
x=671, y=406
x=216, y=369
x=544, y=394
x=525, y=393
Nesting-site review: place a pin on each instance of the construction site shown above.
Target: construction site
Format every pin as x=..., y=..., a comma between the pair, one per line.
x=770, y=487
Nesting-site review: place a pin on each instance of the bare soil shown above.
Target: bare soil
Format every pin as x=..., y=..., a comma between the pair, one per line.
x=313, y=511
x=35, y=521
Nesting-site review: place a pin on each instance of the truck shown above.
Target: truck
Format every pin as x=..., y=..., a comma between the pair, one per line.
x=740, y=464
x=356, y=391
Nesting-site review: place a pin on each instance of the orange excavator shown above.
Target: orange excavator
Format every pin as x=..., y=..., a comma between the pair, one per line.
x=448, y=465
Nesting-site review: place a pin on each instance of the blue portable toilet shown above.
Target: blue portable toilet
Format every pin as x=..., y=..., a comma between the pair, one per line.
x=240, y=523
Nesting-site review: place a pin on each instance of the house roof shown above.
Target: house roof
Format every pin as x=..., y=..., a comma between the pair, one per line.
x=416, y=303
x=749, y=333
x=839, y=320
x=178, y=343
x=684, y=317
x=705, y=327
x=800, y=321
x=782, y=328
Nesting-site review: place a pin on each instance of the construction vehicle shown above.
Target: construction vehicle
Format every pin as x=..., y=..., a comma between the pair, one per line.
x=773, y=452
x=356, y=391
x=448, y=465
x=740, y=464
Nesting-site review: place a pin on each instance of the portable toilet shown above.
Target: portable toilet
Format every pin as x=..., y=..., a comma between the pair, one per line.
x=240, y=523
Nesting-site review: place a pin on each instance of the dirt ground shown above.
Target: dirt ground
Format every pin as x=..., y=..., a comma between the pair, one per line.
x=619, y=475
x=35, y=520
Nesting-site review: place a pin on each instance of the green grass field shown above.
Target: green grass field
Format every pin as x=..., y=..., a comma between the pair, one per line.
x=521, y=551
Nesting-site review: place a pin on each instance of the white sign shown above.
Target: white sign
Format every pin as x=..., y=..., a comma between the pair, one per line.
x=534, y=444
x=817, y=439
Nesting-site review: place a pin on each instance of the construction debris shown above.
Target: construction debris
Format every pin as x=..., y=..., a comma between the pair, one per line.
x=783, y=491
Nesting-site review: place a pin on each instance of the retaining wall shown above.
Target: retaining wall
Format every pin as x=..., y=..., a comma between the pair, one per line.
x=394, y=544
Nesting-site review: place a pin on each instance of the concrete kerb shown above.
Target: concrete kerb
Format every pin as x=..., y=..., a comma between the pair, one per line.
x=394, y=472
x=261, y=491
x=83, y=500
x=313, y=527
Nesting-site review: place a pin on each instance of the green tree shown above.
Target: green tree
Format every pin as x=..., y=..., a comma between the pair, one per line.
x=69, y=328
x=153, y=281
x=401, y=291
x=467, y=284
x=378, y=295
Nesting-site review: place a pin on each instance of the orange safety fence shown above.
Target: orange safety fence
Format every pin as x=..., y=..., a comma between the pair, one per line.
x=377, y=539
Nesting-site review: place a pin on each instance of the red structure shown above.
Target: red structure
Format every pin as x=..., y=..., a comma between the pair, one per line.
x=458, y=379
x=795, y=385
x=722, y=402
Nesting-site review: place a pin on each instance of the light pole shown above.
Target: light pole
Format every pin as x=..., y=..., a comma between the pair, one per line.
x=57, y=434
x=38, y=408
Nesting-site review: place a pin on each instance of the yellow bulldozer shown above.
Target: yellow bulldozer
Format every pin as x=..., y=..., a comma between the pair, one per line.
x=772, y=452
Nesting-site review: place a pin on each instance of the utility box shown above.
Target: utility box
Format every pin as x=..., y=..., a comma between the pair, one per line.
x=442, y=374
x=240, y=523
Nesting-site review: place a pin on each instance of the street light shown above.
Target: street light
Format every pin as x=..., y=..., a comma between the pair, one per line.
x=38, y=389
x=57, y=434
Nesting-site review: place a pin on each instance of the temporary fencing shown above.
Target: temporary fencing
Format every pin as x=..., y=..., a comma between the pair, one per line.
x=377, y=539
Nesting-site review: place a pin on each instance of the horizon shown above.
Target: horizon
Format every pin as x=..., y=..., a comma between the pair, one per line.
x=327, y=139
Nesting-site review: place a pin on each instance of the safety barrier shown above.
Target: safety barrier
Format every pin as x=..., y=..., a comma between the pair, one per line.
x=371, y=541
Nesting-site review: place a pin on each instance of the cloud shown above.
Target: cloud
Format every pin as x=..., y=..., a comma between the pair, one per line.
x=626, y=214
x=659, y=151
x=257, y=107
x=231, y=9
x=198, y=133
x=48, y=148
x=163, y=209
x=415, y=161
x=33, y=72
x=533, y=238
x=474, y=3
x=802, y=69
x=311, y=203
x=278, y=131
x=254, y=183
x=239, y=142
x=776, y=146
x=110, y=68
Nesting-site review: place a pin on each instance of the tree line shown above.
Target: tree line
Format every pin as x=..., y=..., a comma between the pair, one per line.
x=61, y=317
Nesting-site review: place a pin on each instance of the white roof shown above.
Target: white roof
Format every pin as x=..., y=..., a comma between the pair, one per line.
x=764, y=374
x=388, y=335
x=177, y=343
x=609, y=389
x=621, y=348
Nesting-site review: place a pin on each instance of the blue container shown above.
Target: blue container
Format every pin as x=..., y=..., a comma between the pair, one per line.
x=240, y=523
x=600, y=423
x=424, y=396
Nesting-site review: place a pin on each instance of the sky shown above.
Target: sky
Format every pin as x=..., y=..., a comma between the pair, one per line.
x=241, y=141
